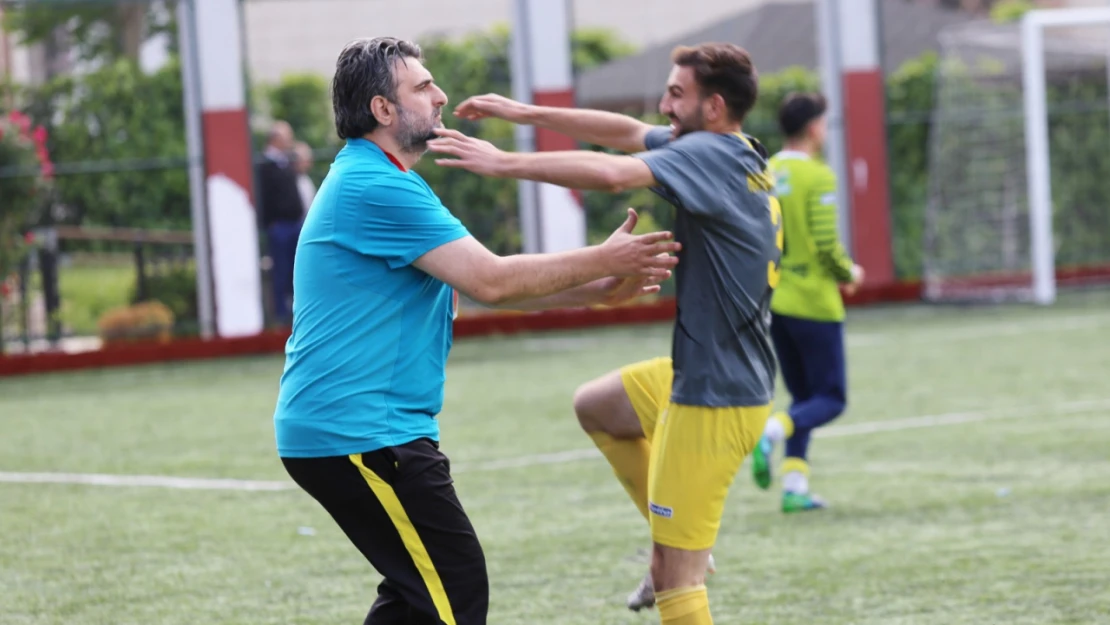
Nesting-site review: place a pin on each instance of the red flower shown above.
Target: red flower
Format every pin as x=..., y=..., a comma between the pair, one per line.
x=29, y=238
x=5, y=289
x=48, y=169
x=23, y=122
x=39, y=135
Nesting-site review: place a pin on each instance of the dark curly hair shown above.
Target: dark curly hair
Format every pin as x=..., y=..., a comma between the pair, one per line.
x=364, y=70
x=723, y=69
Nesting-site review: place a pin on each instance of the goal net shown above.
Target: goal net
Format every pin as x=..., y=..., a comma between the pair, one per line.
x=1019, y=164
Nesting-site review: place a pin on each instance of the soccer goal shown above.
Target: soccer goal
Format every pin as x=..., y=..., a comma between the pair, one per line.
x=1019, y=166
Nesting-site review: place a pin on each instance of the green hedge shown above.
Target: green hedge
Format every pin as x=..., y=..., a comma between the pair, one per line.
x=118, y=113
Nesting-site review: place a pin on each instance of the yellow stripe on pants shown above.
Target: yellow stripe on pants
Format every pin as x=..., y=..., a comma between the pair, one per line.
x=385, y=494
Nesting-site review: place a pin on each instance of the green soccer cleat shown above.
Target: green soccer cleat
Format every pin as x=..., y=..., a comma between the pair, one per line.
x=801, y=502
x=761, y=463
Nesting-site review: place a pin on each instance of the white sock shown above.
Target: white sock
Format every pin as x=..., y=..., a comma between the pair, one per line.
x=795, y=482
x=774, y=430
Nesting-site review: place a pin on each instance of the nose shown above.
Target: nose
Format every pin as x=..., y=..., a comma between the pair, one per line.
x=665, y=106
x=440, y=97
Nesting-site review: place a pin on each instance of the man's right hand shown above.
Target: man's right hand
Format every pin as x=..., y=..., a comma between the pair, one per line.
x=628, y=255
x=492, y=105
x=857, y=279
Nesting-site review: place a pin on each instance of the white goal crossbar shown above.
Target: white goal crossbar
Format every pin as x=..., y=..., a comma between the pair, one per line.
x=1038, y=174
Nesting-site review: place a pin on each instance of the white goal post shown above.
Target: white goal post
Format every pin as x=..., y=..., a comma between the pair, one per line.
x=1039, y=177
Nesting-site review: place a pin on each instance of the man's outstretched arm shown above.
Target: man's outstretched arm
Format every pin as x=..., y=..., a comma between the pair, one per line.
x=536, y=281
x=610, y=130
x=576, y=169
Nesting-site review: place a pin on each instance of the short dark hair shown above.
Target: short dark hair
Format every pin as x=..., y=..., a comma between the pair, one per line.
x=365, y=69
x=724, y=69
x=798, y=110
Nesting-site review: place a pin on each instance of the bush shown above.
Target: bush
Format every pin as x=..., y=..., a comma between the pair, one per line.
x=175, y=287
x=142, y=322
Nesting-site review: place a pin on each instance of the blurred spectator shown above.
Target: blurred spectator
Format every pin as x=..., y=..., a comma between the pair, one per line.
x=302, y=162
x=282, y=213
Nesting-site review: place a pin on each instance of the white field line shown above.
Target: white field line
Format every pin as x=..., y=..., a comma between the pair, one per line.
x=563, y=457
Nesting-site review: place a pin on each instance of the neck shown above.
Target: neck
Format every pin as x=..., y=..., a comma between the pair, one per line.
x=801, y=145
x=725, y=127
x=389, y=145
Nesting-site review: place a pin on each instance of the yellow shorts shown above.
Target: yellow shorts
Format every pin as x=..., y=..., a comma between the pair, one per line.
x=696, y=452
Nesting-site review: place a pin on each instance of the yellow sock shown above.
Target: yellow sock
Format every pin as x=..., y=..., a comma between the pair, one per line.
x=795, y=465
x=684, y=606
x=629, y=458
x=787, y=423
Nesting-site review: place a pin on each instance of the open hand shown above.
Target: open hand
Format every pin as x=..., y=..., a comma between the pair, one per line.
x=638, y=256
x=491, y=105
x=476, y=155
x=615, y=291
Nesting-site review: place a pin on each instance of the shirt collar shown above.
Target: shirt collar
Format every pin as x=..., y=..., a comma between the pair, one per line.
x=374, y=146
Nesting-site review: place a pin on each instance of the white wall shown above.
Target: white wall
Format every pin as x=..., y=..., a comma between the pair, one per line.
x=306, y=35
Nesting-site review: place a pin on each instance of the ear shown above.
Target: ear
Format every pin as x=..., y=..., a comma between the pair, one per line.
x=717, y=107
x=382, y=110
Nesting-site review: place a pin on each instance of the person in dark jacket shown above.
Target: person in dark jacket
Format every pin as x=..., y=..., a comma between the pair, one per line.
x=282, y=214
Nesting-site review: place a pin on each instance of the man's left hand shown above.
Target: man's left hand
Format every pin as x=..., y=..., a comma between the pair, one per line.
x=616, y=291
x=475, y=155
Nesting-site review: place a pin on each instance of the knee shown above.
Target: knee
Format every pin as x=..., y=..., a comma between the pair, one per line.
x=585, y=408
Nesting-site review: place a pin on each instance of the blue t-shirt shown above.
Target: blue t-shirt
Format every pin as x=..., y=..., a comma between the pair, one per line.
x=365, y=364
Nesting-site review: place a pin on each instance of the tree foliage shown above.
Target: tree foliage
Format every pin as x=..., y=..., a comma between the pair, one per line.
x=127, y=126
x=97, y=31
x=477, y=64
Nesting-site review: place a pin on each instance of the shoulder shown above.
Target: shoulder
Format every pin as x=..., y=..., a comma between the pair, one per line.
x=657, y=137
x=738, y=147
x=821, y=175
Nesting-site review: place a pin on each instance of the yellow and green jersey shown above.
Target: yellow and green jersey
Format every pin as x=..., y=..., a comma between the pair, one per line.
x=813, y=260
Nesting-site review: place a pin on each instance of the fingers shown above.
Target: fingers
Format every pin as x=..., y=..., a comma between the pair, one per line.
x=664, y=249
x=657, y=267
x=468, y=108
x=654, y=280
x=630, y=224
x=479, y=107
x=449, y=133
x=655, y=237
x=444, y=146
x=452, y=162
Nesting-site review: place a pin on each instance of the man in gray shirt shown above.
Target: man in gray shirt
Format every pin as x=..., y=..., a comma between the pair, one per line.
x=706, y=405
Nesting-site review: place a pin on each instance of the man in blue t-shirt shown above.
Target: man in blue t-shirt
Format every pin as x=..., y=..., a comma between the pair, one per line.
x=378, y=264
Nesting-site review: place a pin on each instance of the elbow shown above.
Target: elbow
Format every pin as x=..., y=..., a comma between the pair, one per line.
x=490, y=295
x=612, y=180
x=491, y=287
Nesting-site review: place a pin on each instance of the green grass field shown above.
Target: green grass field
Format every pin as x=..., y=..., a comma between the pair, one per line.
x=970, y=484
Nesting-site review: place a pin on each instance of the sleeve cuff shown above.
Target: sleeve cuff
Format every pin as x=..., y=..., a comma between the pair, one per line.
x=426, y=246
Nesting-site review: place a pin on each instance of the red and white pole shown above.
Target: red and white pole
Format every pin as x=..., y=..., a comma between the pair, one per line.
x=224, y=221
x=855, y=46
x=552, y=217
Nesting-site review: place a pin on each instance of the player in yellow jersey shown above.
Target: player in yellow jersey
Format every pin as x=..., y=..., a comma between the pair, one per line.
x=675, y=430
x=807, y=308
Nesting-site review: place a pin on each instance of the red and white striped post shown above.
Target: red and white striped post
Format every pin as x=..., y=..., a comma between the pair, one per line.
x=224, y=223
x=552, y=217
x=856, y=44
